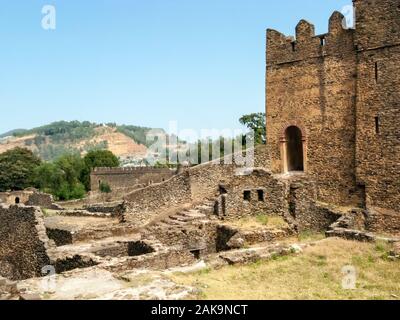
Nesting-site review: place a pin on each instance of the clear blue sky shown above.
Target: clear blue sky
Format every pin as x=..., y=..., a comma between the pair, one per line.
x=142, y=62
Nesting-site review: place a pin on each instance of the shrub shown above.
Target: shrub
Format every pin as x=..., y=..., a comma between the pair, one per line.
x=105, y=187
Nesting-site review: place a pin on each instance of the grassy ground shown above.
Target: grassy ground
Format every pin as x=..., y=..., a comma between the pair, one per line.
x=258, y=221
x=314, y=274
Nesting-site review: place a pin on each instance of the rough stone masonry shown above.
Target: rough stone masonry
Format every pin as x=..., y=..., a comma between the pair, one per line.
x=333, y=106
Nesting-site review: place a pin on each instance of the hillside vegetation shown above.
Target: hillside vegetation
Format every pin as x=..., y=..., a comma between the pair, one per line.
x=75, y=137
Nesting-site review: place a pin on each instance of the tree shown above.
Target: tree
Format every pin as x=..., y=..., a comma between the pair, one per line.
x=71, y=187
x=17, y=169
x=94, y=159
x=62, y=177
x=256, y=122
x=48, y=178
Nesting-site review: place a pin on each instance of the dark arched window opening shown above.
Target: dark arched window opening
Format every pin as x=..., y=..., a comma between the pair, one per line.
x=294, y=152
x=17, y=200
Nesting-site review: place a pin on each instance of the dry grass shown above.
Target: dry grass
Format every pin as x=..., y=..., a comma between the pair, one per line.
x=259, y=221
x=315, y=274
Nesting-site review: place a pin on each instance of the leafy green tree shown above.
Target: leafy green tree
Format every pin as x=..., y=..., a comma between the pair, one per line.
x=97, y=158
x=257, y=123
x=17, y=169
x=72, y=167
x=48, y=178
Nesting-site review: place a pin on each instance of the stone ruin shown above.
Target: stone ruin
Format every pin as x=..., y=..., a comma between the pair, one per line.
x=315, y=174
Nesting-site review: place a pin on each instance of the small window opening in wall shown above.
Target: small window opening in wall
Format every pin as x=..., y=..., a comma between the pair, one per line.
x=293, y=46
x=247, y=195
x=222, y=190
x=323, y=41
x=261, y=195
x=376, y=72
x=377, y=125
x=196, y=254
x=17, y=200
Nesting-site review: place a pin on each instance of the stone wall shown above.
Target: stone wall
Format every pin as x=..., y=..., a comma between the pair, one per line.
x=15, y=197
x=311, y=84
x=378, y=101
x=125, y=178
x=158, y=197
x=39, y=199
x=259, y=192
x=23, y=242
x=236, y=193
x=383, y=221
x=194, y=184
x=340, y=90
x=29, y=198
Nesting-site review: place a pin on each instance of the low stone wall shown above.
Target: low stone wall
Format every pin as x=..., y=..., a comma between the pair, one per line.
x=357, y=235
x=381, y=220
x=43, y=200
x=199, y=236
x=159, y=260
x=365, y=225
x=115, y=209
x=60, y=237
x=229, y=237
x=23, y=242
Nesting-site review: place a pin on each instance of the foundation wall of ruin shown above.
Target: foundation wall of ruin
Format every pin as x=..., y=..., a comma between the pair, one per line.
x=23, y=242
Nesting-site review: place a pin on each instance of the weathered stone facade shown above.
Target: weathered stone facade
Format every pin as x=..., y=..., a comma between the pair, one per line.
x=333, y=105
x=128, y=178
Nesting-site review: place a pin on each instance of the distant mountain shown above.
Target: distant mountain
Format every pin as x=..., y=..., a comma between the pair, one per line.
x=52, y=140
x=12, y=133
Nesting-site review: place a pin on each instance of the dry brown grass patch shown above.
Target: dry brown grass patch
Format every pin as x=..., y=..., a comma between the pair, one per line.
x=315, y=274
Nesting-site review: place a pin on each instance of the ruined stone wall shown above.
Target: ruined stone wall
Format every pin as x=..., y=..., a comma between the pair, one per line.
x=383, y=221
x=23, y=242
x=39, y=199
x=125, y=178
x=311, y=84
x=267, y=195
x=194, y=184
x=13, y=197
x=378, y=102
x=159, y=197
x=27, y=197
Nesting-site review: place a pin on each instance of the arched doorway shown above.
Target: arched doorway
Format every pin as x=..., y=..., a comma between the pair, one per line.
x=17, y=200
x=294, y=149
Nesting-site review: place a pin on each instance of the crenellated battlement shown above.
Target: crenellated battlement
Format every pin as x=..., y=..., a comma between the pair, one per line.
x=286, y=49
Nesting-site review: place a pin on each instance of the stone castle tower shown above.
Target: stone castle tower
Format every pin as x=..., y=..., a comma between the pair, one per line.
x=333, y=105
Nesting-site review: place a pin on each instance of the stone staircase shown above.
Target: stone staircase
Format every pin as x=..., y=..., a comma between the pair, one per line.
x=182, y=219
